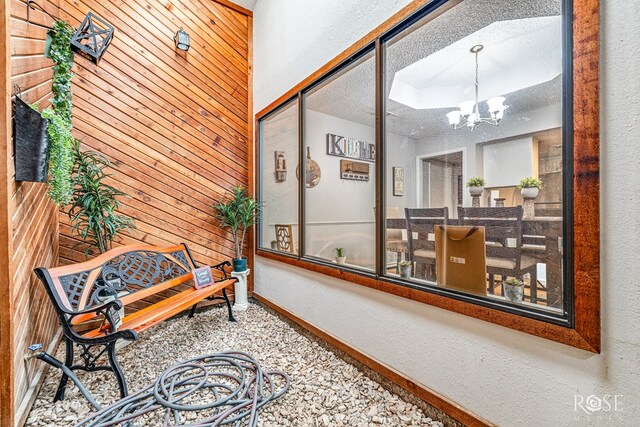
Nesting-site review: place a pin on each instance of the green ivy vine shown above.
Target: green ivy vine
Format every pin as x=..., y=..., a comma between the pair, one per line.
x=59, y=115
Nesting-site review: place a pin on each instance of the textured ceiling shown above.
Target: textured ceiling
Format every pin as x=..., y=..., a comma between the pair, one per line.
x=352, y=95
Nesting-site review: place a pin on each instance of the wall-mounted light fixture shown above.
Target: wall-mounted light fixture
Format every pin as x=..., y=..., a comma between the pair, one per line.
x=182, y=40
x=92, y=38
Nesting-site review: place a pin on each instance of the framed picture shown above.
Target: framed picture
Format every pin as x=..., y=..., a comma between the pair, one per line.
x=202, y=277
x=398, y=181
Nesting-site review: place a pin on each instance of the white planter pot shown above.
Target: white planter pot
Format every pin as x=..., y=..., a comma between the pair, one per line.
x=405, y=272
x=513, y=293
x=529, y=193
x=476, y=191
x=340, y=260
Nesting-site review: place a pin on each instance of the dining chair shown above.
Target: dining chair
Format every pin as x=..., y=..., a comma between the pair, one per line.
x=394, y=240
x=503, y=235
x=421, y=238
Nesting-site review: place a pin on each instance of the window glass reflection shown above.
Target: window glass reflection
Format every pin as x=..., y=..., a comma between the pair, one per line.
x=339, y=139
x=279, y=157
x=473, y=151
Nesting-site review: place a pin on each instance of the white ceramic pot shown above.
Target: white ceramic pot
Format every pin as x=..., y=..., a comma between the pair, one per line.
x=340, y=260
x=405, y=272
x=513, y=293
x=476, y=191
x=529, y=193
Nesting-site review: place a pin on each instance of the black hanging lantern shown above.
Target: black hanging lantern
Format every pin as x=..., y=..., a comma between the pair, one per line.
x=182, y=40
x=92, y=38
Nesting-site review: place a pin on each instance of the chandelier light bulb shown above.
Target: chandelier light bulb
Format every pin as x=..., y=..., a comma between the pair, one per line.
x=466, y=108
x=496, y=104
x=469, y=113
x=454, y=117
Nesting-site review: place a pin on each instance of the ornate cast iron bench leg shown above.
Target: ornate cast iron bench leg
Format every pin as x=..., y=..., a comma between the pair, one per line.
x=89, y=365
x=117, y=370
x=226, y=300
x=68, y=361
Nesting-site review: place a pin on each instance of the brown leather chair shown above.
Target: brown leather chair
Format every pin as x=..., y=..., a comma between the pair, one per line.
x=420, y=234
x=503, y=235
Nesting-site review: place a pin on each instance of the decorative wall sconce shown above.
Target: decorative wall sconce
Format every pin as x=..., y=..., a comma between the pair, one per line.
x=92, y=38
x=281, y=167
x=182, y=40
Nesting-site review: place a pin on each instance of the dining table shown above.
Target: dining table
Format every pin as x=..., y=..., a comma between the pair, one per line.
x=547, y=229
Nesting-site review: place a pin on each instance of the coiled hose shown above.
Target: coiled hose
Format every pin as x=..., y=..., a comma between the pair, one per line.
x=218, y=389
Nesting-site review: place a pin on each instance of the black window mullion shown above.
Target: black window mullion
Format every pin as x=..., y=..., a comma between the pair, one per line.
x=301, y=176
x=380, y=216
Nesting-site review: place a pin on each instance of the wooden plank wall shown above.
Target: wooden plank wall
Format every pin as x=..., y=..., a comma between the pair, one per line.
x=175, y=124
x=33, y=218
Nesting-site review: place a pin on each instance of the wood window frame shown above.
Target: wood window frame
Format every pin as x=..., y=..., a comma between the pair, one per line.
x=584, y=332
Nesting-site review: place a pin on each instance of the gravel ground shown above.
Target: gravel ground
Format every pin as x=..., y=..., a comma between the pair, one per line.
x=325, y=389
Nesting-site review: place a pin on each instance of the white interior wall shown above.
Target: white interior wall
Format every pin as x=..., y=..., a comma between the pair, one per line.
x=506, y=376
x=548, y=117
x=339, y=212
x=280, y=133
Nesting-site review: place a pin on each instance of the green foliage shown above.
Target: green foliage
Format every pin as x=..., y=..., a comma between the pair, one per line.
x=59, y=115
x=94, y=204
x=476, y=181
x=530, y=183
x=339, y=252
x=237, y=211
x=62, y=57
x=405, y=264
x=60, y=158
x=512, y=281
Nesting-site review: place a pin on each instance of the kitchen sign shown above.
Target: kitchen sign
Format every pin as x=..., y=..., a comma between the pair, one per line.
x=351, y=148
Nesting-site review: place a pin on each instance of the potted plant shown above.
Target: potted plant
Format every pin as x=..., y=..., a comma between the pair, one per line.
x=405, y=269
x=341, y=258
x=513, y=289
x=530, y=187
x=237, y=211
x=94, y=204
x=475, y=185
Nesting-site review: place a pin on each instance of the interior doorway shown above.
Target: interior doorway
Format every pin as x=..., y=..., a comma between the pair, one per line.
x=441, y=176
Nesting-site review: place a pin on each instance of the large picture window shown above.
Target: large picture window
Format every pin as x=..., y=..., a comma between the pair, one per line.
x=339, y=136
x=278, y=134
x=474, y=116
x=439, y=159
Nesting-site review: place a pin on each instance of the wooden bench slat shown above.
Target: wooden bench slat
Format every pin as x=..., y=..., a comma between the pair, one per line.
x=144, y=319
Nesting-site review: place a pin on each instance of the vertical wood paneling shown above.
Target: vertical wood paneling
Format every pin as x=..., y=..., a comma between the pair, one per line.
x=33, y=218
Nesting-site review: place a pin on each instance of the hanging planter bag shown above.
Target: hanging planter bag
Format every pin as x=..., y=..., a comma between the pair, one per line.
x=31, y=141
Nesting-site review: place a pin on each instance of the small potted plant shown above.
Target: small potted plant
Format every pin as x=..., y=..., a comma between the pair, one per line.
x=529, y=187
x=475, y=185
x=405, y=269
x=340, y=256
x=513, y=289
x=238, y=212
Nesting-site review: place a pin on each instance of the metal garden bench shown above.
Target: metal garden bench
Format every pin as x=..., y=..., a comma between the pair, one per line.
x=88, y=297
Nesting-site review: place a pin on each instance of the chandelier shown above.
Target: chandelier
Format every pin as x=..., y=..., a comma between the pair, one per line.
x=468, y=113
